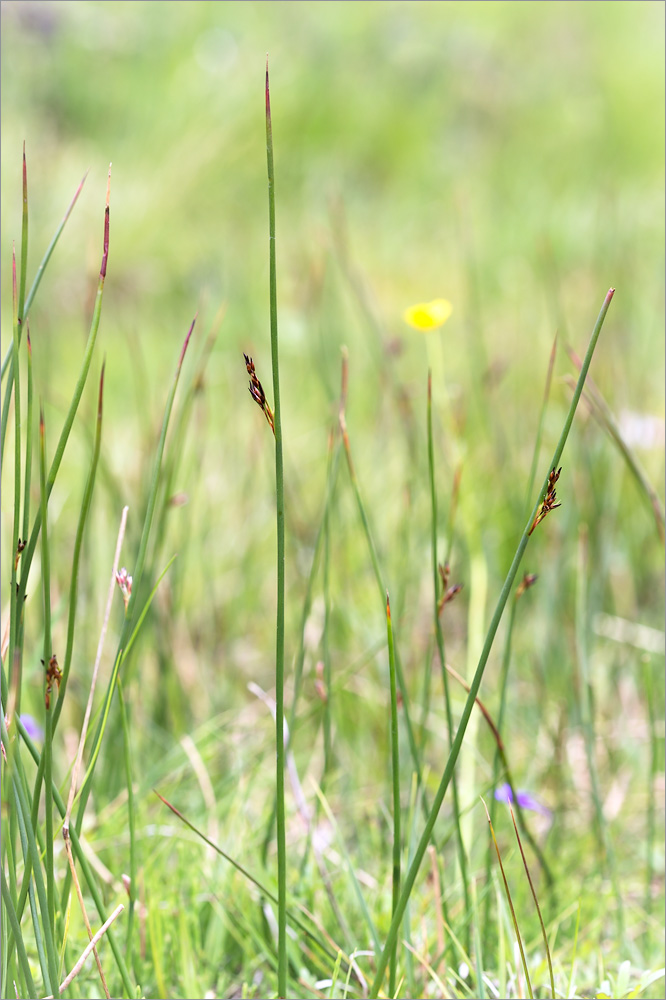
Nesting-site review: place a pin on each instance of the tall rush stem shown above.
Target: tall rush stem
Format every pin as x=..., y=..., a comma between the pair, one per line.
x=279, y=628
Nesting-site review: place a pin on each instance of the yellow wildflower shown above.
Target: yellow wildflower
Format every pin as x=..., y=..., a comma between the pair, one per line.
x=428, y=315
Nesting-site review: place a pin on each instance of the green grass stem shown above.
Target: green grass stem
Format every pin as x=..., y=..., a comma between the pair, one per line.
x=279, y=627
x=439, y=636
x=395, y=780
x=23, y=963
x=410, y=877
x=51, y=684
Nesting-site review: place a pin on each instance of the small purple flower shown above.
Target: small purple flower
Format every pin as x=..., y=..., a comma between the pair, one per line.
x=34, y=731
x=525, y=800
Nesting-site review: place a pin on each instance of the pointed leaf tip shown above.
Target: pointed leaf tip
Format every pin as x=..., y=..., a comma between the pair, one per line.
x=187, y=340
x=101, y=391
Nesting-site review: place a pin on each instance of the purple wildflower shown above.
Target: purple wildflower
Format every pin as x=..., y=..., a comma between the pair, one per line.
x=34, y=731
x=525, y=800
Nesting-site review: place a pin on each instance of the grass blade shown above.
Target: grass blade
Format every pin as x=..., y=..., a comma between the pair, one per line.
x=439, y=635
x=279, y=628
x=52, y=676
x=395, y=774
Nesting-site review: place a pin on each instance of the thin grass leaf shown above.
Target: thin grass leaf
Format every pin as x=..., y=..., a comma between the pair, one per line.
x=52, y=675
x=263, y=888
x=439, y=635
x=8, y=362
x=23, y=963
x=605, y=417
x=416, y=758
x=86, y=503
x=507, y=892
x=538, y=908
x=358, y=892
x=395, y=777
x=15, y=602
x=82, y=795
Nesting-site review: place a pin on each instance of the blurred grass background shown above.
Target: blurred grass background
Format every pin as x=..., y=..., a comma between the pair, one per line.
x=507, y=156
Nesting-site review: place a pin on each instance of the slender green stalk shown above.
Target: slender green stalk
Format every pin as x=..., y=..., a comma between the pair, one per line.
x=410, y=878
x=279, y=628
x=439, y=635
x=300, y=654
x=86, y=503
x=28, y=443
x=24, y=243
x=24, y=964
x=15, y=604
x=395, y=774
x=52, y=679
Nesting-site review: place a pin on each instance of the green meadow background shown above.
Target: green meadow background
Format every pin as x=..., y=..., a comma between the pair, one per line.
x=506, y=156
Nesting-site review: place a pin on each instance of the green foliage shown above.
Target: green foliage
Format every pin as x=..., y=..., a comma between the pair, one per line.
x=507, y=156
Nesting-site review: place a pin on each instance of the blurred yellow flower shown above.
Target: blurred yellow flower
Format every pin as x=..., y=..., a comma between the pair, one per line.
x=428, y=315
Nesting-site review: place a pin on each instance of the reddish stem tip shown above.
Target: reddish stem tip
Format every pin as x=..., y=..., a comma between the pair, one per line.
x=388, y=606
x=268, y=94
x=610, y=294
x=187, y=340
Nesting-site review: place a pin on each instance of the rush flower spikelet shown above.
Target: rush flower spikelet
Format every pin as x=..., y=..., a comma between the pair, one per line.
x=548, y=503
x=257, y=392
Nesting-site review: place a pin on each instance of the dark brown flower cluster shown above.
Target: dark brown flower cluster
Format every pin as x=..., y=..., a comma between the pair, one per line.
x=257, y=392
x=548, y=503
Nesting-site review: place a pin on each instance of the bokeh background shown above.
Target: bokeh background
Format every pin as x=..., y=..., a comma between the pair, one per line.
x=507, y=156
